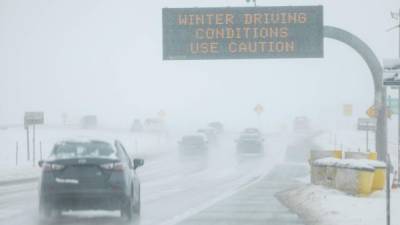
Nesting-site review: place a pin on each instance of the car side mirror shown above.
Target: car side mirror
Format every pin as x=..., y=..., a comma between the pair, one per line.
x=137, y=163
x=40, y=163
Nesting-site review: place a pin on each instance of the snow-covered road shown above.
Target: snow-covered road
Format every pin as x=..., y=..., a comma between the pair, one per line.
x=174, y=187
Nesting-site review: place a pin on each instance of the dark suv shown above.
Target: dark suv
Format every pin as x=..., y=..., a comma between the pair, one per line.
x=89, y=174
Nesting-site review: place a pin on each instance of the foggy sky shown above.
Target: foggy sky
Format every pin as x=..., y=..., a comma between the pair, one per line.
x=105, y=57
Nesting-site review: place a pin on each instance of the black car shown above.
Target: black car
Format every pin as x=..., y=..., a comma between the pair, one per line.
x=210, y=133
x=252, y=131
x=250, y=143
x=196, y=143
x=89, y=175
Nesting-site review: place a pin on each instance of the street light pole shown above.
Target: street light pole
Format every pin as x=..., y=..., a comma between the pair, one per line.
x=398, y=150
x=398, y=113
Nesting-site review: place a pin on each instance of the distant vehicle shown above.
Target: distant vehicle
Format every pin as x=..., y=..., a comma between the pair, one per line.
x=89, y=122
x=193, y=143
x=253, y=131
x=154, y=125
x=250, y=143
x=301, y=124
x=218, y=126
x=137, y=126
x=89, y=175
x=210, y=133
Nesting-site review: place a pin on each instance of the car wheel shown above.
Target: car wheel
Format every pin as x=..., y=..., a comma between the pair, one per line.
x=44, y=209
x=136, y=208
x=126, y=210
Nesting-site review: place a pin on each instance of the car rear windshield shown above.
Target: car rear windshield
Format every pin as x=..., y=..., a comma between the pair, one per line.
x=249, y=137
x=193, y=140
x=93, y=149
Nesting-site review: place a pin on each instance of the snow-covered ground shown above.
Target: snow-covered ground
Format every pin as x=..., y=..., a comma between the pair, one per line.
x=138, y=145
x=319, y=205
x=174, y=186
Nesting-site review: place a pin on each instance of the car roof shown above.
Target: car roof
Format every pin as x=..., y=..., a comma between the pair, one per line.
x=198, y=135
x=207, y=129
x=255, y=135
x=85, y=139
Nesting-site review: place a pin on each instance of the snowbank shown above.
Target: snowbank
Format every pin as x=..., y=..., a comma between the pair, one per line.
x=364, y=164
x=319, y=205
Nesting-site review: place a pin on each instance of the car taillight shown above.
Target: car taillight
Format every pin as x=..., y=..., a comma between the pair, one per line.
x=117, y=166
x=52, y=167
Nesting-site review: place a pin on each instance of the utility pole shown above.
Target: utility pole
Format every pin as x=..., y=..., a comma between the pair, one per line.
x=397, y=17
x=388, y=189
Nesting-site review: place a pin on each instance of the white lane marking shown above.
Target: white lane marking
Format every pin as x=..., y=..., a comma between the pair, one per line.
x=13, y=189
x=196, y=210
x=8, y=213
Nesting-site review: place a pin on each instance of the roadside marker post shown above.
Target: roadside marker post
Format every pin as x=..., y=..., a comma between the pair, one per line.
x=40, y=149
x=259, y=109
x=27, y=143
x=33, y=145
x=367, y=124
x=16, y=153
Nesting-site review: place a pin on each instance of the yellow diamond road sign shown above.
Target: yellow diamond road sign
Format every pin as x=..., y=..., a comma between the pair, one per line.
x=162, y=114
x=259, y=109
x=372, y=113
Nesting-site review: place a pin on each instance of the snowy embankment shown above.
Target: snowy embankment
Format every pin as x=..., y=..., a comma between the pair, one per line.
x=319, y=205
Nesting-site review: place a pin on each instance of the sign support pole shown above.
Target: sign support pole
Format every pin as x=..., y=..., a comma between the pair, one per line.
x=27, y=143
x=33, y=147
x=398, y=134
x=388, y=189
x=367, y=139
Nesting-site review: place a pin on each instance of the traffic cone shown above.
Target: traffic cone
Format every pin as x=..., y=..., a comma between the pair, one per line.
x=395, y=183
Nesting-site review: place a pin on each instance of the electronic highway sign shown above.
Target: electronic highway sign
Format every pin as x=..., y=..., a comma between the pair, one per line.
x=243, y=32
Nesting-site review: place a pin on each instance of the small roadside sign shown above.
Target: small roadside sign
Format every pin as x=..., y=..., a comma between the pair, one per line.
x=162, y=114
x=347, y=110
x=391, y=72
x=366, y=124
x=393, y=105
x=33, y=118
x=259, y=109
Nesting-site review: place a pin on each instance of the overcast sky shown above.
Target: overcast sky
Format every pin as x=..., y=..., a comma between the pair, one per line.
x=105, y=57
